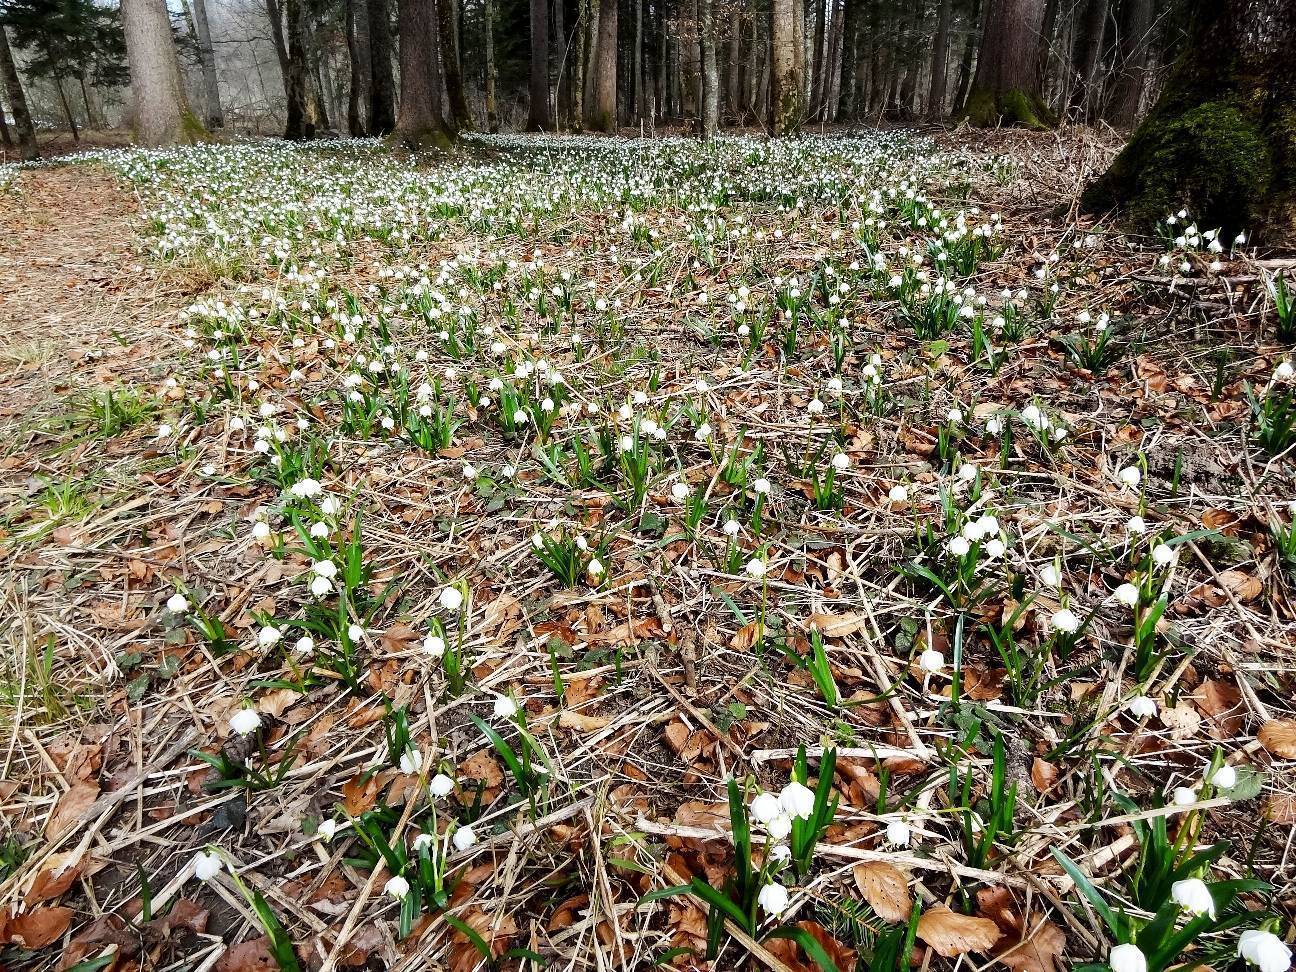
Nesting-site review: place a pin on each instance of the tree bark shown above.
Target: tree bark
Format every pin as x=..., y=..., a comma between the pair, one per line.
x=1006, y=86
x=448, y=14
x=382, y=83
x=421, y=122
x=940, y=57
x=1084, y=57
x=1221, y=139
x=488, y=29
x=161, y=116
x=23, y=128
x=602, y=115
x=300, y=122
x=215, y=117
x=850, y=58
x=787, y=81
x=1131, y=63
x=357, y=31
x=709, y=113
x=538, y=119
x=969, y=52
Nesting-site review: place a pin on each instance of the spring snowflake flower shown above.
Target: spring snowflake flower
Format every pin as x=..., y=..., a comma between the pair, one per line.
x=1127, y=958
x=898, y=493
x=1183, y=796
x=931, y=660
x=306, y=489
x=765, y=807
x=1130, y=476
x=1136, y=526
x=841, y=462
x=959, y=546
x=595, y=568
x=206, y=866
x=680, y=492
x=1141, y=707
x=463, y=838
x=1225, y=777
x=397, y=887
x=450, y=598
x=1162, y=554
x=177, y=604
x=505, y=707
x=1127, y=594
x=440, y=785
x=1064, y=620
x=244, y=722
x=1193, y=895
x=326, y=830
x=731, y=527
x=260, y=531
x=898, y=833
x=798, y=800
x=411, y=761
x=355, y=632
x=304, y=645
x=761, y=486
x=1265, y=949
x=1284, y=371
x=779, y=826
x=755, y=568
x=995, y=548
x=269, y=636
x=773, y=899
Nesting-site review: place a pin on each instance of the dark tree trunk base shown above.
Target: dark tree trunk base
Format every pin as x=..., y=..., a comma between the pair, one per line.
x=985, y=109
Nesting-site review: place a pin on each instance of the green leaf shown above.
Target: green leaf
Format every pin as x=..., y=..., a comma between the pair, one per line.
x=477, y=941
x=660, y=894
x=1088, y=890
x=809, y=945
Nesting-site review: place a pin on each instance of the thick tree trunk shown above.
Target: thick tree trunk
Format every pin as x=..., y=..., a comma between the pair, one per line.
x=1221, y=139
x=709, y=113
x=488, y=29
x=850, y=58
x=1044, y=59
x=538, y=119
x=382, y=83
x=23, y=128
x=448, y=14
x=421, y=122
x=300, y=123
x=787, y=81
x=357, y=31
x=1006, y=86
x=1131, y=63
x=160, y=114
x=1084, y=58
x=969, y=53
x=940, y=57
x=589, y=54
x=913, y=42
x=602, y=115
x=638, y=67
x=214, y=116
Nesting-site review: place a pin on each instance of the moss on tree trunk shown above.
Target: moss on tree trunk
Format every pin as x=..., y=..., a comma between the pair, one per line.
x=1221, y=141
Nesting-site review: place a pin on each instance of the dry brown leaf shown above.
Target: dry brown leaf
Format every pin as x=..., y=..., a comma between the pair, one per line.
x=399, y=638
x=745, y=636
x=582, y=723
x=250, y=956
x=1222, y=703
x=1183, y=720
x=885, y=888
x=1279, y=737
x=71, y=806
x=37, y=928
x=274, y=703
x=1280, y=808
x=58, y=874
x=699, y=813
x=1039, y=951
x=951, y=934
x=836, y=625
x=792, y=955
x=1043, y=774
x=1245, y=587
x=360, y=793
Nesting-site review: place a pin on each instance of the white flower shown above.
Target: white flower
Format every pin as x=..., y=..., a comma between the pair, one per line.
x=765, y=807
x=245, y=721
x=761, y=486
x=995, y=548
x=931, y=660
x=260, y=530
x=324, y=568
x=1050, y=576
x=177, y=604
x=1284, y=371
x=326, y=830
x=398, y=887
x=304, y=645
x=450, y=598
x=505, y=708
x=779, y=826
x=1162, y=554
x=967, y=472
x=1193, y=895
x=1128, y=594
x=732, y=527
x=959, y=546
x=1127, y=958
x=306, y=488
x=1264, y=949
x=411, y=761
x=355, y=632
x=1184, y=796
x=755, y=567
x=898, y=833
x=798, y=800
x=440, y=785
x=1136, y=525
x=1141, y=707
x=1130, y=476
x=434, y=645
x=207, y=866
x=780, y=852
x=841, y=462
x=320, y=586
x=422, y=842
x=680, y=492
x=1064, y=620
x=773, y=899
x=463, y=838
x=1225, y=777
x=269, y=636
x=595, y=568
x=898, y=493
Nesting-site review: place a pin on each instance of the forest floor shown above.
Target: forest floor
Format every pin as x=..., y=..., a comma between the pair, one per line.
x=439, y=562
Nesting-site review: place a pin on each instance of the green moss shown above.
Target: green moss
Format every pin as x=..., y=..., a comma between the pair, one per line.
x=1212, y=159
x=191, y=129
x=985, y=110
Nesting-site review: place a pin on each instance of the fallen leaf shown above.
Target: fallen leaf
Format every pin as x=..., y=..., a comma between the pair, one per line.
x=1279, y=737
x=57, y=876
x=582, y=723
x=360, y=793
x=1222, y=703
x=699, y=813
x=37, y=928
x=885, y=888
x=250, y=956
x=1043, y=774
x=1039, y=950
x=274, y=703
x=951, y=934
x=1245, y=587
x=71, y=807
x=836, y=625
x=1182, y=720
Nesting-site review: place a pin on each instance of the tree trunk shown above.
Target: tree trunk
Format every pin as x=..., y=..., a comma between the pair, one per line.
x=850, y=59
x=215, y=117
x=317, y=100
x=488, y=28
x=969, y=52
x=817, y=63
x=1131, y=63
x=603, y=111
x=1006, y=87
x=357, y=31
x=448, y=14
x=301, y=122
x=589, y=45
x=787, y=81
x=23, y=127
x=1044, y=59
x=709, y=113
x=538, y=114
x=1221, y=139
x=421, y=123
x=940, y=55
x=913, y=61
x=161, y=116
x=558, y=63
x=382, y=83
x=1084, y=57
